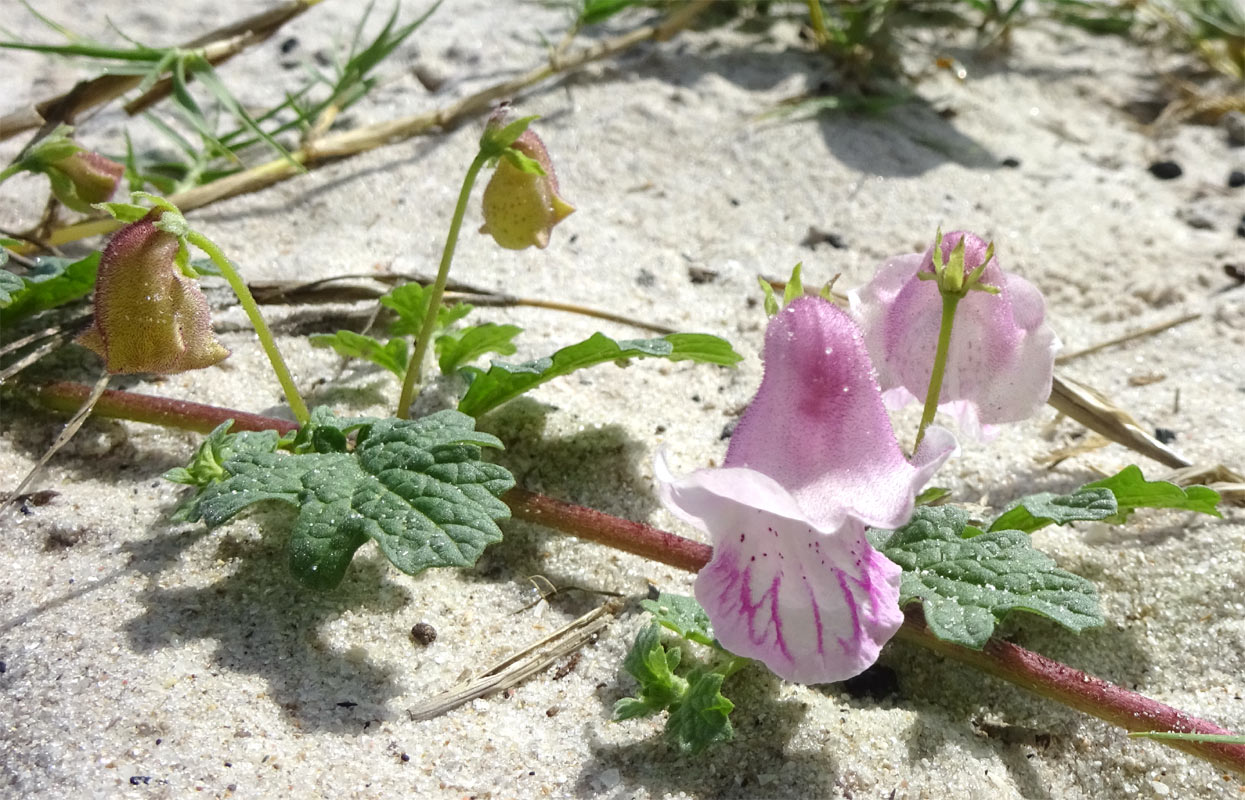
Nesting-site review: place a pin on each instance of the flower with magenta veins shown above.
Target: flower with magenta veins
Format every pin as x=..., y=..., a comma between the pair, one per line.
x=149, y=317
x=793, y=582
x=1000, y=355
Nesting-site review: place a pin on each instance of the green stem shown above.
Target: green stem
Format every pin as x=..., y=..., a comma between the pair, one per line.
x=818, y=21
x=266, y=341
x=949, y=303
x=415, y=365
x=10, y=171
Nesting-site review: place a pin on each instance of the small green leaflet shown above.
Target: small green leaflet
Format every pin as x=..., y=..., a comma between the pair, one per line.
x=416, y=487
x=505, y=382
x=968, y=580
x=51, y=283
x=410, y=302
x=391, y=355
x=684, y=616
x=1109, y=500
x=653, y=667
x=699, y=714
x=459, y=348
x=10, y=285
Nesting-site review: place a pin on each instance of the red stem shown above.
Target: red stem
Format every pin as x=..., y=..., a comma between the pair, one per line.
x=1026, y=669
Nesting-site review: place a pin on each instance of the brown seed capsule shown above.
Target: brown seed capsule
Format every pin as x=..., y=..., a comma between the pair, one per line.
x=423, y=633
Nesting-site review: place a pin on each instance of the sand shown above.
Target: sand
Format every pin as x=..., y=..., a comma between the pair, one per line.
x=147, y=658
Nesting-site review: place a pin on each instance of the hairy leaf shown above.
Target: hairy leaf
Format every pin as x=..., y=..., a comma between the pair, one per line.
x=416, y=487
x=391, y=355
x=505, y=382
x=683, y=615
x=1133, y=491
x=653, y=667
x=410, y=302
x=968, y=580
x=1039, y=510
x=51, y=283
x=701, y=718
x=459, y=348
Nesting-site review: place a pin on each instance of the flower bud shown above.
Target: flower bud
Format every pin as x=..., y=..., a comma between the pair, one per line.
x=84, y=178
x=149, y=317
x=520, y=207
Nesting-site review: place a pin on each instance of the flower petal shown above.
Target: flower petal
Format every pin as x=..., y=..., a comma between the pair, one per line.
x=813, y=605
x=819, y=428
x=1001, y=358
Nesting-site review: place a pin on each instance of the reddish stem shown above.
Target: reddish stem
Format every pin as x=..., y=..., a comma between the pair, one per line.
x=1026, y=669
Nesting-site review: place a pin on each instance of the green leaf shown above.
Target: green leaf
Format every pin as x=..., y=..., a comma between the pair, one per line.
x=967, y=580
x=595, y=11
x=410, y=302
x=10, y=285
x=932, y=496
x=1133, y=491
x=1039, y=510
x=505, y=382
x=391, y=355
x=684, y=616
x=702, y=717
x=462, y=347
x=207, y=466
x=653, y=667
x=416, y=487
x=51, y=283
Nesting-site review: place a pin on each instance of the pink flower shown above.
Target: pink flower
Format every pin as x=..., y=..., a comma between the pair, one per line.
x=1002, y=352
x=149, y=317
x=793, y=582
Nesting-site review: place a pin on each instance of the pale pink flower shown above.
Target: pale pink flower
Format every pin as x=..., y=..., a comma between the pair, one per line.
x=1002, y=352
x=793, y=582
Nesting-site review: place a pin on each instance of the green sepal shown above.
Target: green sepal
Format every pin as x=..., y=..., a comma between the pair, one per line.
x=522, y=162
x=795, y=285
x=771, y=301
x=123, y=212
x=495, y=141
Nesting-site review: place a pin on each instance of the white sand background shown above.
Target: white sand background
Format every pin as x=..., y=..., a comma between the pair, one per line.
x=148, y=659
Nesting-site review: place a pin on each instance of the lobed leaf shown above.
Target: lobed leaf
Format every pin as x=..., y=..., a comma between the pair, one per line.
x=1028, y=514
x=1133, y=491
x=416, y=487
x=702, y=717
x=968, y=580
x=505, y=382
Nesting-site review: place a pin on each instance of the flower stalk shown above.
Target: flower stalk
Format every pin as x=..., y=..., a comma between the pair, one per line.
x=247, y=300
x=949, y=304
x=1028, y=670
x=415, y=365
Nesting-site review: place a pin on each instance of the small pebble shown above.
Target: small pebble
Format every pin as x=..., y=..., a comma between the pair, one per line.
x=1236, y=179
x=1165, y=435
x=1166, y=170
x=1011, y=162
x=423, y=633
